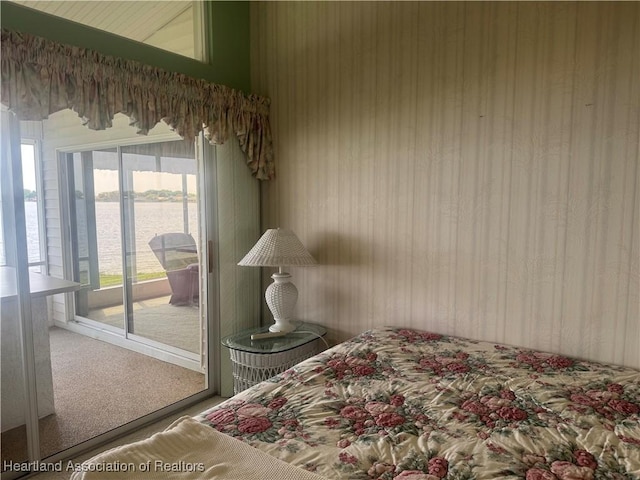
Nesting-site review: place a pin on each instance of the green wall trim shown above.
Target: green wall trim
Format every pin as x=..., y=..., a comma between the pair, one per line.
x=228, y=37
x=229, y=41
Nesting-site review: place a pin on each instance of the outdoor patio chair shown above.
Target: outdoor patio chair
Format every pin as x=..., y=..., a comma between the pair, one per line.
x=178, y=255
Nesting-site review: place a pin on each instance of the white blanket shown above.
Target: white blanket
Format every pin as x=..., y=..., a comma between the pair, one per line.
x=188, y=450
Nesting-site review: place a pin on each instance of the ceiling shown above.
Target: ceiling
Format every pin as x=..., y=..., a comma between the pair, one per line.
x=136, y=20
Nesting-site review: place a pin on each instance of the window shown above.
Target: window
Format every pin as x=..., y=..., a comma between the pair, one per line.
x=33, y=205
x=173, y=25
x=33, y=209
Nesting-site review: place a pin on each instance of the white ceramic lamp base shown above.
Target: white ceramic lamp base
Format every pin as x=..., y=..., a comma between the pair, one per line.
x=281, y=297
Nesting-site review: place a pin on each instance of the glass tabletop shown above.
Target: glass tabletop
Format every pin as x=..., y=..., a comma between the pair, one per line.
x=304, y=333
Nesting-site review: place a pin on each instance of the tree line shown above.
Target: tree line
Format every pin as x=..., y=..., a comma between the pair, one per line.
x=30, y=195
x=148, y=196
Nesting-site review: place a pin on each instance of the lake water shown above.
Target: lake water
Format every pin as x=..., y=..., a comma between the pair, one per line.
x=151, y=218
x=33, y=249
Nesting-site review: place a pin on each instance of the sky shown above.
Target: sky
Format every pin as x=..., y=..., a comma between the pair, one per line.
x=107, y=180
x=28, y=167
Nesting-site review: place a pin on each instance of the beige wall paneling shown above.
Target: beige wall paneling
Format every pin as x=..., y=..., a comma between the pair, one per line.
x=469, y=168
x=238, y=228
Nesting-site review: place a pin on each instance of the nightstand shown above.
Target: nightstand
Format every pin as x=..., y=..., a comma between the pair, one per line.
x=257, y=360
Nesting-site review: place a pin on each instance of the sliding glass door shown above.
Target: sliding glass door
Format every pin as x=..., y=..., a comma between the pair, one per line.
x=111, y=339
x=125, y=228
x=135, y=223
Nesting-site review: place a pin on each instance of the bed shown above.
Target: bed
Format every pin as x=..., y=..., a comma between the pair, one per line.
x=396, y=403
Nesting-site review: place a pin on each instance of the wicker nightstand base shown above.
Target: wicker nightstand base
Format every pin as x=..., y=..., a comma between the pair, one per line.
x=252, y=368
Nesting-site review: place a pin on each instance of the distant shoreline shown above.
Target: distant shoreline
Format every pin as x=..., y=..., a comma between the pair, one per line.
x=146, y=200
x=157, y=196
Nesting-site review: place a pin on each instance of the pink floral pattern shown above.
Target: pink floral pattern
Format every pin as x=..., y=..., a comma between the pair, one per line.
x=448, y=363
x=354, y=365
x=543, y=362
x=403, y=404
x=562, y=463
x=374, y=416
x=97, y=86
x=499, y=408
x=267, y=419
x=608, y=401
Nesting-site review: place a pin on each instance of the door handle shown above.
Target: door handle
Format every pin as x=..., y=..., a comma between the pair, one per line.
x=210, y=256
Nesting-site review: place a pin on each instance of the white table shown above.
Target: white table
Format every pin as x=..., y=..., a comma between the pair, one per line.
x=12, y=385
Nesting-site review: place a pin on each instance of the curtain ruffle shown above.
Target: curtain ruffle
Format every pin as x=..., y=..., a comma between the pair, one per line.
x=41, y=77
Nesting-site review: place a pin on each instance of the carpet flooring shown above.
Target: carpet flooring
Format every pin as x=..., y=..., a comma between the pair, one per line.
x=97, y=387
x=156, y=319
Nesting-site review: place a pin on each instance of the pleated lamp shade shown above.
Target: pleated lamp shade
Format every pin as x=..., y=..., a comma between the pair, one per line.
x=278, y=247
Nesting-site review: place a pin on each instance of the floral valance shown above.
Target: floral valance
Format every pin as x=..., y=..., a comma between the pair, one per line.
x=41, y=77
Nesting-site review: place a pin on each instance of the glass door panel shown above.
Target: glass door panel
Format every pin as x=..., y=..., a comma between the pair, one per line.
x=161, y=252
x=96, y=236
x=117, y=200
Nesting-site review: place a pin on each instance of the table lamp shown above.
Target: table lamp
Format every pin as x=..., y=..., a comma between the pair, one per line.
x=279, y=247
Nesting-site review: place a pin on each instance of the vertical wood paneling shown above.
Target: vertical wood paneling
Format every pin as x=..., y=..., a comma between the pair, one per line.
x=237, y=220
x=465, y=167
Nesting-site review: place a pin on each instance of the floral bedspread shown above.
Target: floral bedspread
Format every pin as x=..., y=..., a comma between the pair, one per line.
x=404, y=404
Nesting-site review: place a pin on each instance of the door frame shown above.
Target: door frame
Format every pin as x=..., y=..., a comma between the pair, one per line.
x=206, y=157
x=18, y=255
